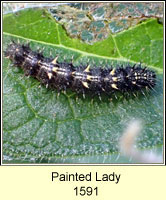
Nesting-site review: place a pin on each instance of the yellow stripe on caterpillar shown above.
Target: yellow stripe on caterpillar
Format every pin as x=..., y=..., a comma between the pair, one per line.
x=85, y=84
x=112, y=72
x=114, y=86
x=87, y=69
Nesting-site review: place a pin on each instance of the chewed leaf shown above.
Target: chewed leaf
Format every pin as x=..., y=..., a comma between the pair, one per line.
x=93, y=22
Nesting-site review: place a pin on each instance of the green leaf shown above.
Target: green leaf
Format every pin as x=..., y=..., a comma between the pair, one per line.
x=41, y=126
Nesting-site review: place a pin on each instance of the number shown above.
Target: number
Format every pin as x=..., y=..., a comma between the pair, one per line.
x=76, y=189
x=82, y=191
x=89, y=191
x=96, y=189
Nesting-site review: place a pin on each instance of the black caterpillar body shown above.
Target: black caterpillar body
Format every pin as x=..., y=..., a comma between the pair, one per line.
x=83, y=79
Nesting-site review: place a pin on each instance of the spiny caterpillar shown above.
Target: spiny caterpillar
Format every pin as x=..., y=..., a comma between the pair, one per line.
x=82, y=79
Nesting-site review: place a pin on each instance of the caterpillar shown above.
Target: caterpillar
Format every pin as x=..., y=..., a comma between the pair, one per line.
x=81, y=79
